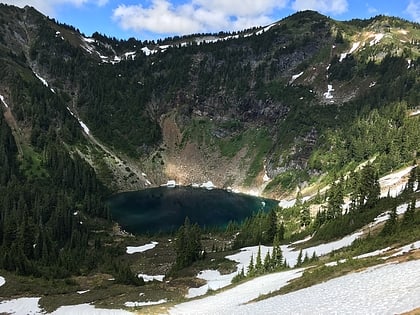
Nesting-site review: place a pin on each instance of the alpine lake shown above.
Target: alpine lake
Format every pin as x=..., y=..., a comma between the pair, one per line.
x=164, y=209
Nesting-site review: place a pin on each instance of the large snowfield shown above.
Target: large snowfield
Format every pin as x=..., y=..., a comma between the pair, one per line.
x=384, y=289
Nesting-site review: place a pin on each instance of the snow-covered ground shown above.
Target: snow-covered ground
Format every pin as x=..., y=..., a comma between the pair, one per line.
x=87, y=309
x=384, y=289
x=30, y=306
x=227, y=301
x=394, y=183
x=217, y=281
x=140, y=249
x=21, y=306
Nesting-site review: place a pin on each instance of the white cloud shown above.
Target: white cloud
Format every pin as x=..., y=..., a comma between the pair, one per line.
x=413, y=10
x=48, y=7
x=323, y=6
x=371, y=10
x=163, y=17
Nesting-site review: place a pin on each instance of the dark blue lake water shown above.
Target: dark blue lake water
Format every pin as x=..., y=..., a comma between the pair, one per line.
x=164, y=209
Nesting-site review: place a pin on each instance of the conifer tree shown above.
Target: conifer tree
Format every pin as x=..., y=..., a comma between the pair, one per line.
x=258, y=261
x=409, y=214
x=305, y=217
x=299, y=259
x=391, y=224
x=411, y=180
x=251, y=267
x=267, y=262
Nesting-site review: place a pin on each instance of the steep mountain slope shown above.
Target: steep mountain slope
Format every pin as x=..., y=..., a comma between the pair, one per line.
x=237, y=109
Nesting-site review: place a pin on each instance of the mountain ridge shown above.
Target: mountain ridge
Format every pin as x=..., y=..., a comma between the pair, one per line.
x=211, y=99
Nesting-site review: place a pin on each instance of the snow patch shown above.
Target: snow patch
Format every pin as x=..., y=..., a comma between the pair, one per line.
x=265, y=29
x=130, y=55
x=148, y=278
x=376, y=39
x=85, y=309
x=149, y=303
x=411, y=114
x=41, y=79
x=83, y=291
x=342, y=57
x=3, y=101
x=208, y=185
x=373, y=254
x=228, y=301
x=81, y=123
x=287, y=203
x=328, y=94
x=21, y=306
x=405, y=249
x=392, y=184
x=2, y=281
x=148, y=51
x=215, y=281
x=140, y=249
x=354, y=47
x=170, y=183
x=294, y=77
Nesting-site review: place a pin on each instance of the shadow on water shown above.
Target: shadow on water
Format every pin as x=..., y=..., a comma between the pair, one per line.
x=163, y=209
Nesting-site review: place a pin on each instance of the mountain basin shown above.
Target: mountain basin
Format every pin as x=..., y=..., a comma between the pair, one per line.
x=164, y=209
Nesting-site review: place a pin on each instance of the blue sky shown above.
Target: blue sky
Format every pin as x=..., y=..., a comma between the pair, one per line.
x=153, y=19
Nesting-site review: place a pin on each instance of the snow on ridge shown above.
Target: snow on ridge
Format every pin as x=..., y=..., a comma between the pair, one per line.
x=88, y=39
x=265, y=29
x=140, y=249
x=148, y=51
x=3, y=101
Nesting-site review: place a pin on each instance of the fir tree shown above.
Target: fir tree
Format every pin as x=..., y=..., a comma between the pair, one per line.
x=251, y=267
x=267, y=262
x=391, y=224
x=258, y=261
x=299, y=259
